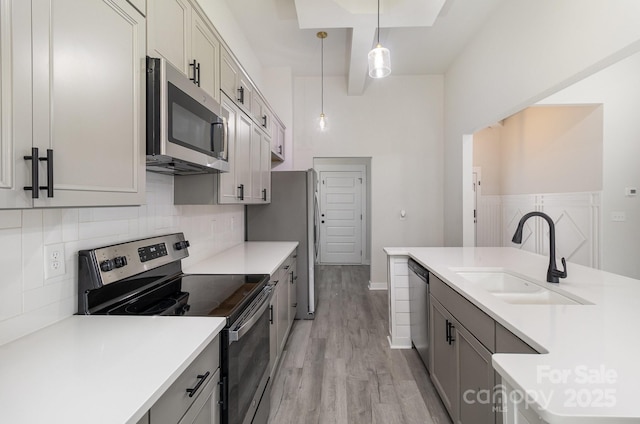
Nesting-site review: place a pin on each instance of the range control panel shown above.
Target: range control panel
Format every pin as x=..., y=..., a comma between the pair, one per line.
x=120, y=261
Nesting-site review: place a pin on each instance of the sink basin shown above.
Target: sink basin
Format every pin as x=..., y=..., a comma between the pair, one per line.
x=513, y=289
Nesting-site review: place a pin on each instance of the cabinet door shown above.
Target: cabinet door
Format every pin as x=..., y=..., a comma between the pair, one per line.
x=229, y=75
x=242, y=160
x=205, y=50
x=293, y=292
x=256, y=165
x=245, y=90
x=88, y=100
x=476, y=379
x=277, y=141
x=205, y=409
x=169, y=26
x=273, y=328
x=444, y=370
x=15, y=103
x=265, y=169
x=227, y=188
x=283, y=312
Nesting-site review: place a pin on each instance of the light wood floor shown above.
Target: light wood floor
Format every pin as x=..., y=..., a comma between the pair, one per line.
x=339, y=368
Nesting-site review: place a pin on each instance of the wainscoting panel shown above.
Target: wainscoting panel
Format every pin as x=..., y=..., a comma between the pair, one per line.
x=576, y=217
x=489, y=221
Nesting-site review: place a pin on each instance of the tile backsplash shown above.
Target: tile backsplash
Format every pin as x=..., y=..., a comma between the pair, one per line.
x=29, y=301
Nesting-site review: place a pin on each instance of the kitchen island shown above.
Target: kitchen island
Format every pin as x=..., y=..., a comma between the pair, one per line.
x=587, y=369
x=98, y=369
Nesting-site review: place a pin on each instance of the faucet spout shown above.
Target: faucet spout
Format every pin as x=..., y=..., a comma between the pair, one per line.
x=553, y=273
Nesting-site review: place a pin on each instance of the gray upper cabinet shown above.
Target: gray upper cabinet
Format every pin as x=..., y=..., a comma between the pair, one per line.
x=179, y=33
x=234, y=82
x=77, y=79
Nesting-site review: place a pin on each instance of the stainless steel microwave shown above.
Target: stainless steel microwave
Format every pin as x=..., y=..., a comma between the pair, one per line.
x=186, y=133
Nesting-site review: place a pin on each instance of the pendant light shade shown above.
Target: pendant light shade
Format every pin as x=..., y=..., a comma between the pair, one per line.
x=379, y=57
x=379, y=62
x=322, y=121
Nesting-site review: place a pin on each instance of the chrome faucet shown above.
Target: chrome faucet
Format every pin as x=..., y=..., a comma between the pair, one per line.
x=553, y=274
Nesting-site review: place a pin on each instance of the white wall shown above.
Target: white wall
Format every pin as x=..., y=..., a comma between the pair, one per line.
x=552, y=149
x=398, y=123
x=28, y=302
x=487, y=156
x=526, y=51
x=617, y=88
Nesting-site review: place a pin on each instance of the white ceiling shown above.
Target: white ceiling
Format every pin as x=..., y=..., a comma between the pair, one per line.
x=424, y=36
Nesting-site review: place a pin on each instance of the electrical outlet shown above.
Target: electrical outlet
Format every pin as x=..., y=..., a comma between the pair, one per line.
x=618, y=216
x=54, y=260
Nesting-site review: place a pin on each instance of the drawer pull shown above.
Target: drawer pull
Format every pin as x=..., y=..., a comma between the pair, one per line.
x=201, y=379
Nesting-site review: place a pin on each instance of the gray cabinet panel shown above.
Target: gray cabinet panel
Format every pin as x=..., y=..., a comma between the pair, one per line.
x=175, y=402
x=507, y=342
x=476, y=379
x=444, y=370
x=481, y=325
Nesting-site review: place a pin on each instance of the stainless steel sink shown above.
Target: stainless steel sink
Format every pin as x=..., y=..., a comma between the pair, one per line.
x=513, y=289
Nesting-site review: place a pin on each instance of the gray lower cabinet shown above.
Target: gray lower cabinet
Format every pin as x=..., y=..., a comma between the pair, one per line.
x=193, y=397
x=144, y=420
x=444, y=371
x=282, y=312
x=477, y=379
x=462, y=340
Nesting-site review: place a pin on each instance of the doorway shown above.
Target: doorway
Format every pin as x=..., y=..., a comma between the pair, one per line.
x=342, y=202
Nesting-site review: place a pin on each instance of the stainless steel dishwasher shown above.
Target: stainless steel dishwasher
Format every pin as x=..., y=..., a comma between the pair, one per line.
x=419, y=309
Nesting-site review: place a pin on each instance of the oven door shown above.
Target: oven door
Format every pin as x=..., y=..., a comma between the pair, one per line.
x=245, y=361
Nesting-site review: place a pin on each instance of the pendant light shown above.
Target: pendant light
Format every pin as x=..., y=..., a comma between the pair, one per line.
x=322, y=121
x=379, y=58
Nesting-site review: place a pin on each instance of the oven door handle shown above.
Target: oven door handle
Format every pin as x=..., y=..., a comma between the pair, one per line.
x=235, y=335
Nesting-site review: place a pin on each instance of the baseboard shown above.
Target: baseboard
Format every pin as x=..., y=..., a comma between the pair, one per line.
x=377, y=286
x=399, y=342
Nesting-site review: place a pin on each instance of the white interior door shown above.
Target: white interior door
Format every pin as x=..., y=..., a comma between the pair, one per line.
x=341, y=217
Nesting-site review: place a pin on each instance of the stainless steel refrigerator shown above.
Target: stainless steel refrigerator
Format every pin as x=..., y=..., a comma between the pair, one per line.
x=291, y=216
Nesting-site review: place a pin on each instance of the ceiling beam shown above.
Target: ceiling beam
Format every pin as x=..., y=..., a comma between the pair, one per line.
x=360, y=45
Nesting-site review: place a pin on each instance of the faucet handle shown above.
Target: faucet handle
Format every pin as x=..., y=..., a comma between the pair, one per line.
x=563, y=273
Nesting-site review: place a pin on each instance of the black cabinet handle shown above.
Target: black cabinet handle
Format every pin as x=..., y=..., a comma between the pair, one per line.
x=196, y=72
x=271, y=314
x=241, y=95
x=49, y=160
x=280, y=149
x=264, y=121
x=201, y=379
x=223, y=393
x=450, y=327
x=241, y=192
x=264, y=194
x=34, y=173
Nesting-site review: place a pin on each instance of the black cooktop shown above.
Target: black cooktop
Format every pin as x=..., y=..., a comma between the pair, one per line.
x=192, y=295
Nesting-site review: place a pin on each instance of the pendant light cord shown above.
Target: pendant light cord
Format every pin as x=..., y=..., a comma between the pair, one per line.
x=378, y=22
x=322, y=75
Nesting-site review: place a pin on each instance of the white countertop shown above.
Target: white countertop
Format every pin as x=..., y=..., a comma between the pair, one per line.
x=252, y=257
x=98, y=369
x=590, y=367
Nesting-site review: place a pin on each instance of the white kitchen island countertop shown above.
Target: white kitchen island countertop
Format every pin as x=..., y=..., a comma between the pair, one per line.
x=252, y=257
x=589, y=367
x=98, y=369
